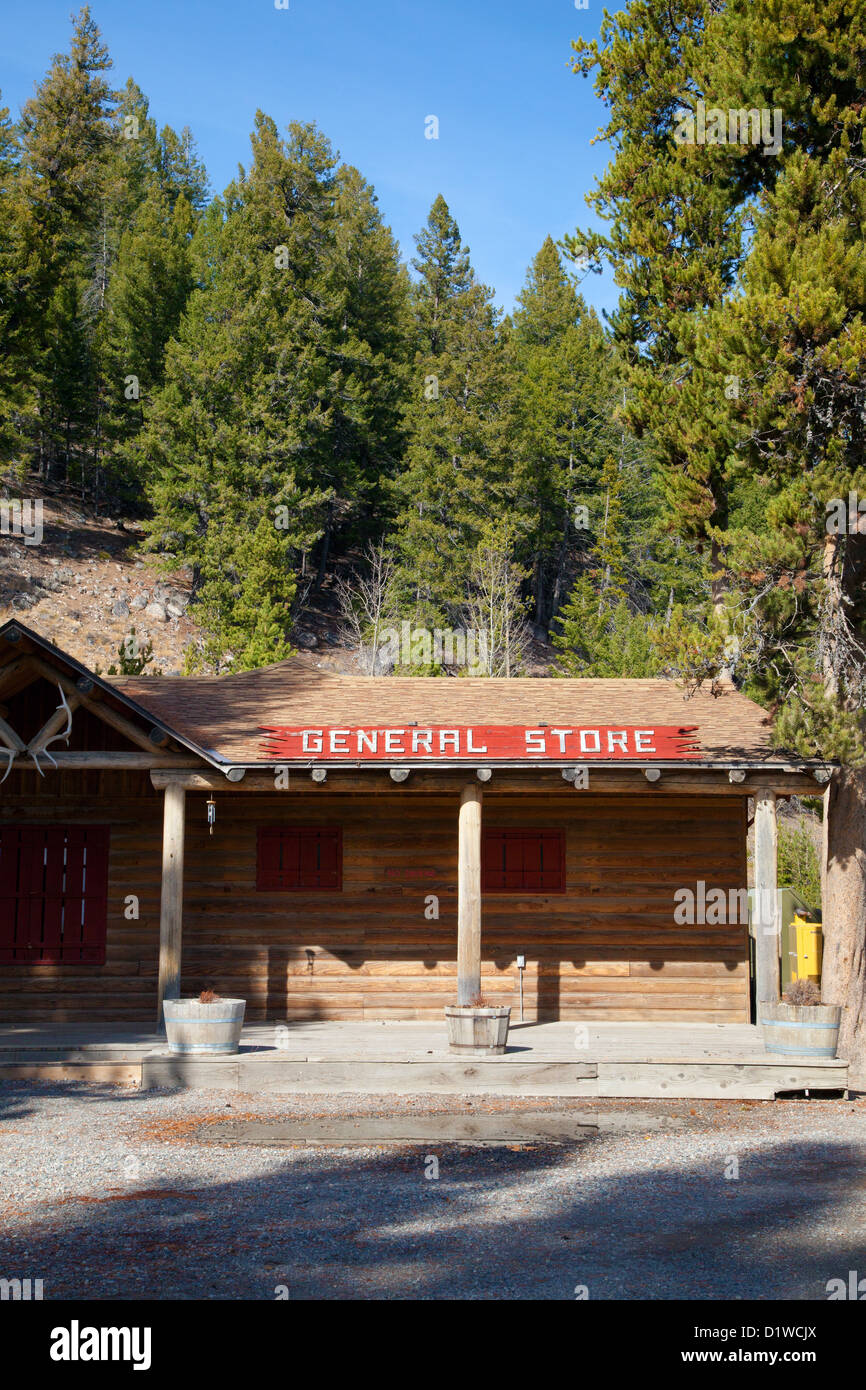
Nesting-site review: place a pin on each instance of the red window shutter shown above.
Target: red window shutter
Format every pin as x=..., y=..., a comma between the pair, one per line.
x=492, y=861
x=299, y=858
x=94, y=893
x=517, y=850
x=308, y=861
x=270, y=859
x=53, y=893
x=13, y=932
x=28, y=890
x=59, y=914
x=330, y=867
x=290, y=861
x=523, y=861
x=551, y=865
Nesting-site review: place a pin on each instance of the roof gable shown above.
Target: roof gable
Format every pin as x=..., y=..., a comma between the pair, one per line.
x=49, y=699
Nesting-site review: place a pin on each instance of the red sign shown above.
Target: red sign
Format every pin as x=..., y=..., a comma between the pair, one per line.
x=469, y=743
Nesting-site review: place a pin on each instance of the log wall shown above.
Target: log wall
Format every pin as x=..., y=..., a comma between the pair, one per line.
x=608, y=949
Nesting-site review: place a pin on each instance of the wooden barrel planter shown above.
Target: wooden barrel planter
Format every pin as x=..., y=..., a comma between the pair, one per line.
x=807, y=1030
x=205, y=1029
x=477, y=1032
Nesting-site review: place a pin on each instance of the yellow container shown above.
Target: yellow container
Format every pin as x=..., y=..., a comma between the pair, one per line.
x=810, y=943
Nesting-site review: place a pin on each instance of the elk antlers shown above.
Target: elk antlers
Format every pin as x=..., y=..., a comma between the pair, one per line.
x=36, y=746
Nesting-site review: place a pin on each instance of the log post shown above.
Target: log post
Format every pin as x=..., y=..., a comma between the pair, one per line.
x=171, y=900
x=469, y=895
x=766, y=920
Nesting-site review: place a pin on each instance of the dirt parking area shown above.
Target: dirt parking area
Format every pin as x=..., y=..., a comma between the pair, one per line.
x=110, y=1193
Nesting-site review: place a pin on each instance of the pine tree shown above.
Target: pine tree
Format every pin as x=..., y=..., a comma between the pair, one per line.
x=145, y=278
x=597, y=632
x=281, y=405
x=13, y=283
x=150, y=283
x=456, y=479
x=64, y=132
x=363, y=336
x=94, y=191
x=549, y=304
x=749, y=366
x=181, y=172
x=561, y=427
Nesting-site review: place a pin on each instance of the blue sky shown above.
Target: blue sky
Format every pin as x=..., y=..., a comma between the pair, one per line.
x=513, y=158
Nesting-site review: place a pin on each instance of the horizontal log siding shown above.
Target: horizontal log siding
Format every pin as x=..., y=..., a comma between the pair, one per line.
x=607, y=949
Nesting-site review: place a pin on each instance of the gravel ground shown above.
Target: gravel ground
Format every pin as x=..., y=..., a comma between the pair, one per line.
x=107, y=1192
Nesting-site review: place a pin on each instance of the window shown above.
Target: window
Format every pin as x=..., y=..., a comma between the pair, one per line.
x=294, y=859
x=53, y=893
x=523, y=861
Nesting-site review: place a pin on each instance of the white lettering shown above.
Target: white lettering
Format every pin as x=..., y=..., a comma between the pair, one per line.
x=684, y=912
x=76, y=1343
x=716, y=905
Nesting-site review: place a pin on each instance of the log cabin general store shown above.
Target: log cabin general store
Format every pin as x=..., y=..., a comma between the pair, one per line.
x=332, y=847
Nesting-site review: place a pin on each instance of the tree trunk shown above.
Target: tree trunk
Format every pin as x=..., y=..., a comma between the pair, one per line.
x=844, y=909
x=325, y=551
x=719, y=580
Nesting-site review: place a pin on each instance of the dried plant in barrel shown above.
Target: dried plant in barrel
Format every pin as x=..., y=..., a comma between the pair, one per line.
x=802, y=993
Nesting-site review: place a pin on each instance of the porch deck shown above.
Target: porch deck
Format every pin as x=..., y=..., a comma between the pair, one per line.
x=640, y=1060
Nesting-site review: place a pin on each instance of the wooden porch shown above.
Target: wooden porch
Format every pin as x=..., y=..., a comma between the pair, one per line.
x=638, y=1060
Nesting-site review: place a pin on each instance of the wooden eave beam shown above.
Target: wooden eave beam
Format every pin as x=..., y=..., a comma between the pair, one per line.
x=10, y=738
x=376, y=781
x=111, y=762
x=98, y=708
x=15, y=674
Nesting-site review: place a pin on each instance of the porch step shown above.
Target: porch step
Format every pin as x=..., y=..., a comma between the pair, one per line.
x=617, y=1060
x=106, y=1073
x=638, y=1080
x=374, y=1076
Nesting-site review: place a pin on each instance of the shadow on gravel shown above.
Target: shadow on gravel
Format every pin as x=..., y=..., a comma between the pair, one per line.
x=522, y=1223
x=18, y=1098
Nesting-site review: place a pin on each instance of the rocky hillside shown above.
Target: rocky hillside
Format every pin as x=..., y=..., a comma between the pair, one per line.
x=85, y=586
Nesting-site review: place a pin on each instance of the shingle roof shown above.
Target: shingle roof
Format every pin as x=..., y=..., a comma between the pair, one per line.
x=226, y=715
